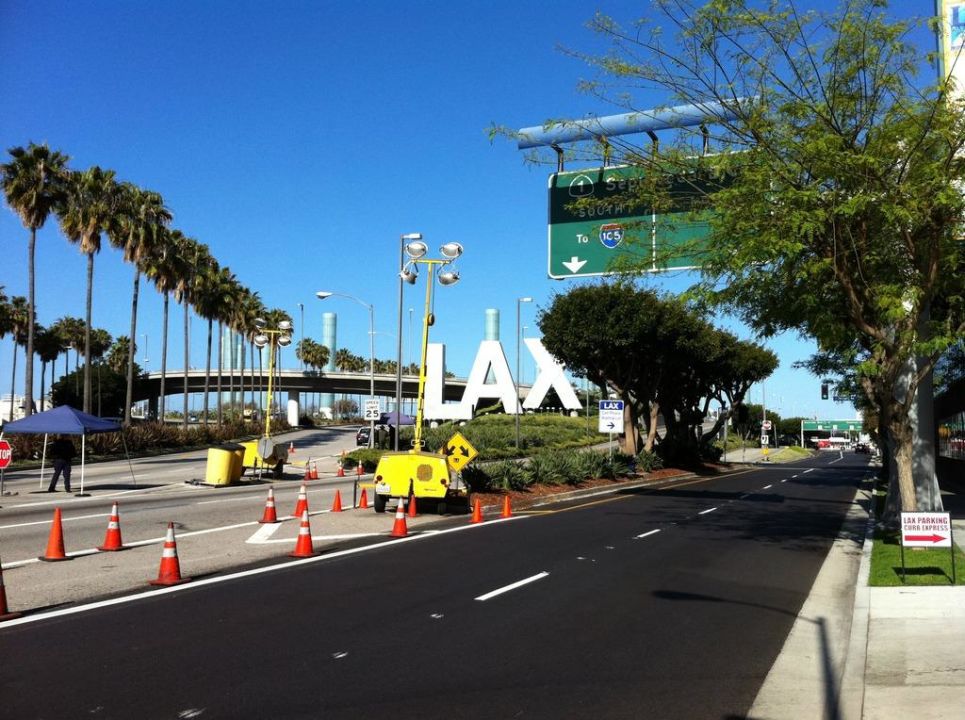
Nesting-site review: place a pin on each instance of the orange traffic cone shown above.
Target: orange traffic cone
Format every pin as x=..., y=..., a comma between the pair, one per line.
x=291, y=448
x=314, y=471
x=364, y=500
x=302, y=504
x=270, y=516
x=5, y=613
x=337, y=505
x=112, y=540
x=399, y=529
x=507, y=510
x=308, y=473
x=170, y=571
x=303, y=546
x=358, y=469
x=341, y=465
x=476, y=512
x=413, y=512
x=55, y=541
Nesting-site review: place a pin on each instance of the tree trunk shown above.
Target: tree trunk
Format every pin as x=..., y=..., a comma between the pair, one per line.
x=129, y=397
x=184, y=420
x=28, y=382
x=13, y=377
x=87, y=357
x=652, y=430
x=207, y=373
x=43, y=384
x=220, y=370
x=164, y=355
x=630, y=442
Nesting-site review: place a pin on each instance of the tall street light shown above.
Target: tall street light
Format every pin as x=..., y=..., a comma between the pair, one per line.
x=274, y=338
x=403, y=241
x=519, y=301
x=416, y=251
x=322, y=295
x=301, y=309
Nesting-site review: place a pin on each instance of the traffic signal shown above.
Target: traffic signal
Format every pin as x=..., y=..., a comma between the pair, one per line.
x=824, y=391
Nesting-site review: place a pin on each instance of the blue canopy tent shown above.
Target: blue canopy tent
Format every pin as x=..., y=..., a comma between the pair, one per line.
x=63, y=420
x=394, y=418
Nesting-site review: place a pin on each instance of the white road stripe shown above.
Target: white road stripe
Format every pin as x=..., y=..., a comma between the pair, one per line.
x=47, y=522
x=767, y=487
x=807, y=471
x=745, y=495
x=646, y=534
x=704, y=512
x=263, y=533
x=513, y=586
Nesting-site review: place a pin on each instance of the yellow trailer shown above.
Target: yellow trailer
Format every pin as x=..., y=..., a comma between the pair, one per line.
x=426, y=476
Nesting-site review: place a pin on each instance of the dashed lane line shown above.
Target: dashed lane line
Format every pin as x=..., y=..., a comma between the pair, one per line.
x=512, y=586
x=709, y=510
x=646, y=534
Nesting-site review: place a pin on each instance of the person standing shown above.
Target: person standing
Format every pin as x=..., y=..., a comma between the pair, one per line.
x=62, y=452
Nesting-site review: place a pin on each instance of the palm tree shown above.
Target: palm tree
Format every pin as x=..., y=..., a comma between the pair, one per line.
x=246, y=308
x=139, y=234
x=194, y=255
x=32, y=184
x=164, y=268
x=71, y=332
x=213, y=293
x=89, y=208
x=17, y=319
x=48, y=345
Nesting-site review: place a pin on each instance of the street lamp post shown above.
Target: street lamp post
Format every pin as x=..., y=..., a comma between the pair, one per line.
x=323, y=294
x=403, y=240
x=274, y=338
x=519, y=301
x=301, y=310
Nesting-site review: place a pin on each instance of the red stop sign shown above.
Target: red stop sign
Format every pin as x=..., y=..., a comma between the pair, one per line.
x=6, y=454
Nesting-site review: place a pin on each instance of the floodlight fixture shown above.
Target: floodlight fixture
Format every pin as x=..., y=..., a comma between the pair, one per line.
x=260, y=323
x=449, y=277
x=408, y=237
x=451, y=250
x=416, y=249
x=284, y=340
x=260, y=340
x=409, y=274
x=285, y=325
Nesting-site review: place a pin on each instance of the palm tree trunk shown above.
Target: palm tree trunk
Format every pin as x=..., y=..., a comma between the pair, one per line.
x=184, y=421
x=13, y=376
x=207, y=374
x=28, y=382
x=220, y=369
x=87, y=358
x=129, y=398
x=164, y=354
x=43, y=381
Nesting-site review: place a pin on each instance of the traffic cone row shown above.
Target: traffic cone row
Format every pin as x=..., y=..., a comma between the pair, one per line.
x=364, y=500
x=341, y=466
x=476, y=512
x=303, y=545
x=337, y=504
x=413, y=512
x=314, y=471
x=399, y=529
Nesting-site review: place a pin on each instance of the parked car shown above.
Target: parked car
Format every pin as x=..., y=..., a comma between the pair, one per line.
x=862, y=448
x=362, y=436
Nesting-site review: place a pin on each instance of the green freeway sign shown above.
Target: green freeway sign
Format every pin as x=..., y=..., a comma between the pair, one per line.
x=609, y=231
x=852, y=425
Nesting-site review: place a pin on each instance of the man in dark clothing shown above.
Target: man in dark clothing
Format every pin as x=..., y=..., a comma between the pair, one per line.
x=62, y=452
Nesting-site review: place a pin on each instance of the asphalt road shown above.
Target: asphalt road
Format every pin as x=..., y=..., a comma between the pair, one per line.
x=669, y=603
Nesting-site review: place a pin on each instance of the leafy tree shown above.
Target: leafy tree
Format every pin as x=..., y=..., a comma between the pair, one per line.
x=16, y=318
x=118, y=355
x=345, y=408
x=32, y=185
x=838, y=207
x=48, y=345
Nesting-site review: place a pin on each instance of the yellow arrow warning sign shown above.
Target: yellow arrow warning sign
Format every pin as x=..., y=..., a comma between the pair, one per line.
x=459, y=452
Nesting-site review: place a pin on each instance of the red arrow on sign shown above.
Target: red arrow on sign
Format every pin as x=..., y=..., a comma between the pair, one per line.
x=925, y=538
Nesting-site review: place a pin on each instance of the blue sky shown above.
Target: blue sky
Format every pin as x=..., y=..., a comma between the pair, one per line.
x=298, y=140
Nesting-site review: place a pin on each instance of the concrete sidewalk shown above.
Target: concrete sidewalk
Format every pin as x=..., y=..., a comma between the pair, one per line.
x=863, y=653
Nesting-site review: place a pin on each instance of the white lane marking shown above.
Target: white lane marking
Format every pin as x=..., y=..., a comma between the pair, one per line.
x=247, y=573
x=745, y=495
x=834, y=461
x=704, y=512
x=263, y=533
x=784, y=480
x=646, y=534
x=316, y=538
x=47, y=522
x=512, y=586
x=767, y=487
x=224, y=500
x=793, y=476
x=807, y=471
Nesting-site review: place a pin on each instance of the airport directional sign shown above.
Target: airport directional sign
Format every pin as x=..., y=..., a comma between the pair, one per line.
x=599, y=226
x=814, y=425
